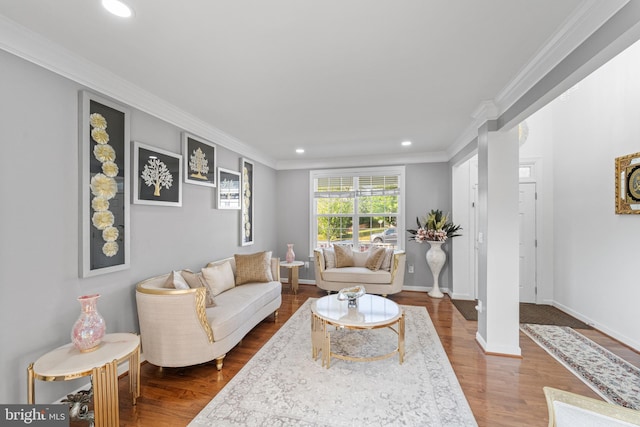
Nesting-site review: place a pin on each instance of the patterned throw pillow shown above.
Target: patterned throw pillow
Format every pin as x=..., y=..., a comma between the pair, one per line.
x=218, y=278
x=197, y=281
x=375, y=258
x=386, y=262
x=253, y=268
x=344, y=256
x=329, y=258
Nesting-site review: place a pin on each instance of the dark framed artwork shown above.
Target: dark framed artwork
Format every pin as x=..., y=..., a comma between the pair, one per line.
x=157, y=176
x=247, y=226
x=228, y=189
x=628, y=184
x=199, y=161
x=104, y=185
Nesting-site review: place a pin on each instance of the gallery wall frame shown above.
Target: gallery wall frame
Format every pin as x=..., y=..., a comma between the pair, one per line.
x=157, y=176
x=228, y=189
x=104, y=132
x=627, y=187
x=199, y=160
x=247, y=225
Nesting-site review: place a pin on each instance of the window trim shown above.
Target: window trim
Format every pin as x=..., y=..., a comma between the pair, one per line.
x=356, y=172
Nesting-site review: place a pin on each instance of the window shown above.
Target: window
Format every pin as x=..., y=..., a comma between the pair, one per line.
x=362, y=207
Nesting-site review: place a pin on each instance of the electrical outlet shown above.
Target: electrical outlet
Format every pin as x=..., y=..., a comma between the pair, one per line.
x=411, y=269
x=306, y=264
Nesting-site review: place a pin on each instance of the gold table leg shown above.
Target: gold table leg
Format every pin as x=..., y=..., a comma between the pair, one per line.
x=134, y=374
x=401, y=338
x=293, y=278
x=31, y=392
x=105, y=395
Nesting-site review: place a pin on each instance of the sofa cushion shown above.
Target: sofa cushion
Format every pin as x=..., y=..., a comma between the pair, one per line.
x=176, y=281
x=329, y=258
x=344, y=256
x=253, y=268
x=218, y=278
x=375, y=257
x=235, y=308
x=360, y=275
x=386, y=263
x=195, y=280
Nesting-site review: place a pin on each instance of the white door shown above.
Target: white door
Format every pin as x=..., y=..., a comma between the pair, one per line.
x=527, y=211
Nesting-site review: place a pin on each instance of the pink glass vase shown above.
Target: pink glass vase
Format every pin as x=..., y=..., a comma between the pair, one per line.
x=290, y=256
x=90, y=327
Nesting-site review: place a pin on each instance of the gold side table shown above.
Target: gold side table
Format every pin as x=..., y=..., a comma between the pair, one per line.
x=293, y=267
x=68, y=363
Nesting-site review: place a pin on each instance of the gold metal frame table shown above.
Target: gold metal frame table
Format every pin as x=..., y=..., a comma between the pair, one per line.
x=68, y=363
x=293, y=267
x=371, y=312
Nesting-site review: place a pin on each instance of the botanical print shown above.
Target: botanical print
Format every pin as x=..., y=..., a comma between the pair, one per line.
x=156, y=174
x=198, y=165
x=199, y=160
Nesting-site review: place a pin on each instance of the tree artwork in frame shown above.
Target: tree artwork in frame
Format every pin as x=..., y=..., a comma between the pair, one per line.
x=104, y=185
x=199, y=160
x=228, y=189
x=628, y=184
x=247, y=226
x=157, y=175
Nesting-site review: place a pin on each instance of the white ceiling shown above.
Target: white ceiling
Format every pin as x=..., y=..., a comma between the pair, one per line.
x=339, y=78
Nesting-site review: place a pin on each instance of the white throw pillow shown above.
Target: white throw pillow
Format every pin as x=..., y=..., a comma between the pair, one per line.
x=219, y=278
x=386, y=262
x=175, y=280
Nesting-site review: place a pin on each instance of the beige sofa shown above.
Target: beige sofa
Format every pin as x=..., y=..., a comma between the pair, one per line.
x=177, y=329
x=385, y=281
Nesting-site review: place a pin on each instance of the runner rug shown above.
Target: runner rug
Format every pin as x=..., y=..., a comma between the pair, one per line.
x=616, y=380
x=283, y=386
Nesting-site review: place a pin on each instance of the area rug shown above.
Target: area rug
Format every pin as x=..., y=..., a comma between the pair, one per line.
x=616, y=380
x=283, y=386
x=540, y=314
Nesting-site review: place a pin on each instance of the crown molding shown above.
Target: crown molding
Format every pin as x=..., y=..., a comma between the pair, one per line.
x=586, y=19
x=360, y=161
x=34, y=48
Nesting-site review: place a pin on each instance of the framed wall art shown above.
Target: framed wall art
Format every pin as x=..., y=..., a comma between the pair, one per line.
x=157, y=176
x=228, y=189
x=199, y=161
x=104, y=185
x=628, y=184
x=247, y=226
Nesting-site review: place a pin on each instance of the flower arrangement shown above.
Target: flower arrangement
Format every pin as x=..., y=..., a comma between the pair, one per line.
x=434, y=227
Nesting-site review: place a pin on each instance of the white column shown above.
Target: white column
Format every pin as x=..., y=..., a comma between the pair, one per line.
x=498, y=237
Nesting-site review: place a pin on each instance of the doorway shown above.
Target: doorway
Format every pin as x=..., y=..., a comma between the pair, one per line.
x=528, y=243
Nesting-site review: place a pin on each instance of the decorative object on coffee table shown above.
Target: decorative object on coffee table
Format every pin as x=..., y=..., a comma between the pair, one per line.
x=351, y=295
x=88, y=330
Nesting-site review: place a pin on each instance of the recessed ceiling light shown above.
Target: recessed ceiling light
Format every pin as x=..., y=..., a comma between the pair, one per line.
x=299, y=150
x=406, y=143
x=118, y=8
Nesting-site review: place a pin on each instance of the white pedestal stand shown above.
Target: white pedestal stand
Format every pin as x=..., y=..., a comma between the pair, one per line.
x=436, y=258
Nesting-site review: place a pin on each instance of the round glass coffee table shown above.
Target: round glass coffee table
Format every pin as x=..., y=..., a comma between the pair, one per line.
x=371, y=312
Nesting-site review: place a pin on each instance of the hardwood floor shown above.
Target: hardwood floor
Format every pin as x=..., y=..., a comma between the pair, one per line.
x=502, y=391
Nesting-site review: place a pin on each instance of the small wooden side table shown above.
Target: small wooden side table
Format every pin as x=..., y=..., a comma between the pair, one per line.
x=293, y=273
x=67, y=363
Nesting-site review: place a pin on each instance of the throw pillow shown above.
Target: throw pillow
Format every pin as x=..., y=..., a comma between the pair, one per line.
x=253, y=268
x=344, y=256
x=175, y=280
x=196, y=281
x=329, y=258
x=218, y=278
x=375, y=258
x=386, y=263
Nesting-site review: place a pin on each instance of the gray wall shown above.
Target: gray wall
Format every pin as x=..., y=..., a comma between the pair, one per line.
x=39, y=225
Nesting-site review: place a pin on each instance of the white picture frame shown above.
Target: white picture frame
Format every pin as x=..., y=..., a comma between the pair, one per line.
x=247, y=226
x=199, y=160
x=229, y=186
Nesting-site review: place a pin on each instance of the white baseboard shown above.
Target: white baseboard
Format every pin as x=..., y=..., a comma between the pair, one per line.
x=505, y=350
x=467, y=296
x=635, y=345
